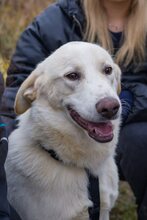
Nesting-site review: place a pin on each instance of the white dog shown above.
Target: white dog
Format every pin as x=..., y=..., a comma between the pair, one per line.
x=69, y=124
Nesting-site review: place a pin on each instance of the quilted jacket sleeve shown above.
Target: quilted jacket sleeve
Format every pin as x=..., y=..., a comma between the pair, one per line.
x=135, y=80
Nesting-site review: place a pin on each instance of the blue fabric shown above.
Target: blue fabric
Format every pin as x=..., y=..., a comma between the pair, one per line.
x=126, y=98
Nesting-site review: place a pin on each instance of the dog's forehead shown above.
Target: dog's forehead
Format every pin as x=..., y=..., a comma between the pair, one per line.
x=89, y=51
x=77, y=55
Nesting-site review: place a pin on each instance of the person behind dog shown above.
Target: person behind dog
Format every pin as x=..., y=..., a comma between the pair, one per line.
x=120, y=26
x=6, y=211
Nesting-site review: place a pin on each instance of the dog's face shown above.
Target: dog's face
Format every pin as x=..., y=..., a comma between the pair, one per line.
x=81, y=81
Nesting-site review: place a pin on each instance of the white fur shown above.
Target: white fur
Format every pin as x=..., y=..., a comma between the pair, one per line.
x=40, y=187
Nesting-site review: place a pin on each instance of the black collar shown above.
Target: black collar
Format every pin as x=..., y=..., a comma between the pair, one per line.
x=93, y=189
x=54, y=155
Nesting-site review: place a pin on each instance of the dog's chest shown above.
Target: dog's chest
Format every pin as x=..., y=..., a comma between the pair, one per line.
x=63, y=197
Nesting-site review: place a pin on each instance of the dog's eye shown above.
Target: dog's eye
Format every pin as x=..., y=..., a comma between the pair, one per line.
x=107, y=70
x=73, y=76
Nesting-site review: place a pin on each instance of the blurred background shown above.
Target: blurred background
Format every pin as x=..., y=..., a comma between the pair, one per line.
x=15, y=15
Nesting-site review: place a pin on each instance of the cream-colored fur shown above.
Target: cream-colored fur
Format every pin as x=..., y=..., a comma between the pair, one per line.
x=40, y=187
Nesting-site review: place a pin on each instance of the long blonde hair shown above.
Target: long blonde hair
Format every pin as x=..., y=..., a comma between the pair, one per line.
x=135, y=31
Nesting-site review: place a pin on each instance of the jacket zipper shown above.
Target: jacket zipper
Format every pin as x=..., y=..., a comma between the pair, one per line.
x=78, y=24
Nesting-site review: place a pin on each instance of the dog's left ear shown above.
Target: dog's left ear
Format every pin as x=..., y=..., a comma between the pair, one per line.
x=27, y=92
x=117, y=80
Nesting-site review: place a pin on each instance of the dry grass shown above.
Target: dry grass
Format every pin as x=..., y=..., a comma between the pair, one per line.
x=15, y=15
x=125, y=208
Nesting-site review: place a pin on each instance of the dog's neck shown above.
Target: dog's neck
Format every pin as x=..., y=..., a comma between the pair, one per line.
x=54, y=155
x=74, y=154
x=81, y=152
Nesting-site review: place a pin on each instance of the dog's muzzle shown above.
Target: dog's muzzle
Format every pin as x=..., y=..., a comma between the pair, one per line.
x=102, y=131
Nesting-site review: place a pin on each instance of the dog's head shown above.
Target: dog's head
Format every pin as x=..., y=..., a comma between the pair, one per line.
x=81, y=81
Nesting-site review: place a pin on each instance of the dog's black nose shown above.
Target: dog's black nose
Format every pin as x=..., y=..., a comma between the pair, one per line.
x=108, y=107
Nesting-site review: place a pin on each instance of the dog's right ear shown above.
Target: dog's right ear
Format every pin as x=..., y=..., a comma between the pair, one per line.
x=27, y=92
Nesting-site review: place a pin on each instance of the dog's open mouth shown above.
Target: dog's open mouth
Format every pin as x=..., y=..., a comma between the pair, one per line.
x=101, y=131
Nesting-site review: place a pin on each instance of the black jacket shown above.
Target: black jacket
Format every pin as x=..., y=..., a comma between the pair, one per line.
x=4, y=206
x=58, y=24
x=6, y=211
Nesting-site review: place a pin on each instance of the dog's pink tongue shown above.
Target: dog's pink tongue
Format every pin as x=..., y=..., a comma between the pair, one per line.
x=102, y=132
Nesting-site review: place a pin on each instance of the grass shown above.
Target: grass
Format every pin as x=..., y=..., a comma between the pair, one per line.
x=15, y=15
x=125, y=208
